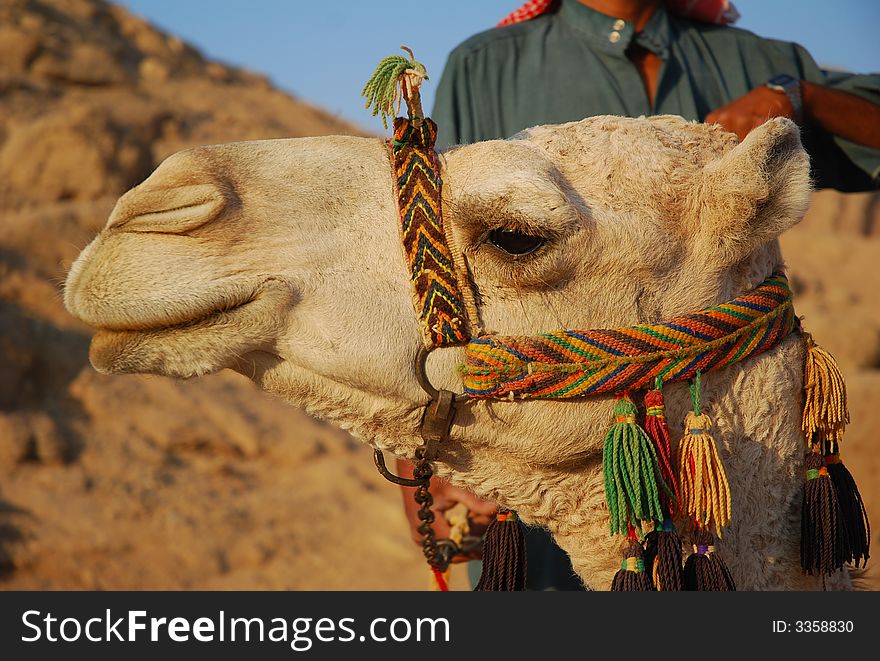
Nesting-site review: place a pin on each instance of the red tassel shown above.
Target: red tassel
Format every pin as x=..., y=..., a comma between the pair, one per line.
x=440, y=580
x=658, y=431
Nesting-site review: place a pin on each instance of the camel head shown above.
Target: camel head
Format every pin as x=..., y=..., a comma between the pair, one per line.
x=282, y=260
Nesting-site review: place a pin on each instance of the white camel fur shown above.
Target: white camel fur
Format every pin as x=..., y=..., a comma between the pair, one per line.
x=282, y=260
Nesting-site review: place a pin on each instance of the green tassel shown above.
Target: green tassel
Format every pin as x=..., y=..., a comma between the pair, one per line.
x=381, y=90
x=631, y=472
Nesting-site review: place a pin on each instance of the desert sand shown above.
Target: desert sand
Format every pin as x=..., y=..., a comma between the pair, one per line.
x=147, y=483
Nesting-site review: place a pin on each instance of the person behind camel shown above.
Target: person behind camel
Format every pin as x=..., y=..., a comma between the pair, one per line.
x=636, y=57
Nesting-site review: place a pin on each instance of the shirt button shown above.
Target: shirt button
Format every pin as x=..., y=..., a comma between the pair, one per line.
x=614, y=37
x=619, y=24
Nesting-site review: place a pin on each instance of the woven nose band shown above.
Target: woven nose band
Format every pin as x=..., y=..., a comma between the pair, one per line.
x=577, y=363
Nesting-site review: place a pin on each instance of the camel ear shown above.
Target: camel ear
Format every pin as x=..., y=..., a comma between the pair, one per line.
x=754, y=192
x=173, y=209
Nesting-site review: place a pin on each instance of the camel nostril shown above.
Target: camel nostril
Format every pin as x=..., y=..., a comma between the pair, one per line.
x=168, y=210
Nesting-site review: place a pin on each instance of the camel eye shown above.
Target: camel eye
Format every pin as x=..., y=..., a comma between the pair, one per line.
x=515, y=243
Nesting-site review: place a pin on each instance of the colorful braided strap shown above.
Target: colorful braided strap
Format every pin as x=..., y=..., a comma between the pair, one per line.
x=577, y=363
x=432, y=269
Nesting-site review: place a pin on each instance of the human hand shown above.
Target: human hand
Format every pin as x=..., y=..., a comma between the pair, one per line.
x=751, y=110
x=446, y=496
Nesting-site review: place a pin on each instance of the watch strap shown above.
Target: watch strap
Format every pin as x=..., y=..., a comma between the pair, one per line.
x=791, y=87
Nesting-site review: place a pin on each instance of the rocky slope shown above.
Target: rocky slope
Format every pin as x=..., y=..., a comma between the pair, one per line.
x=138, y=482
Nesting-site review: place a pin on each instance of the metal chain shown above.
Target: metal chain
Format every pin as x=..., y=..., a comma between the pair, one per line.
x=434, y=429
x=438, y=552
x=422, y=470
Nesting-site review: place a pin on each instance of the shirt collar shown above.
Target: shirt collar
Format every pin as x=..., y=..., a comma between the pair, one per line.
x=614, y=35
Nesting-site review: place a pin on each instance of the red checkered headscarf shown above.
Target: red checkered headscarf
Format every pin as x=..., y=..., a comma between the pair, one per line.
x=720, y=12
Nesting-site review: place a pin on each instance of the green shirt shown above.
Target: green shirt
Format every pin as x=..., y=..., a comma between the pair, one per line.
x=572, y=63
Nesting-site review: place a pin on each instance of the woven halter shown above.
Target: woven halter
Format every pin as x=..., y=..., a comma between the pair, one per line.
x=644, y=483
x=438, y=299
x=579, y=363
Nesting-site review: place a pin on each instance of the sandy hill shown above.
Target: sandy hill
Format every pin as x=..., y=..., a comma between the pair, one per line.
x=143, y=482
x=136, y=482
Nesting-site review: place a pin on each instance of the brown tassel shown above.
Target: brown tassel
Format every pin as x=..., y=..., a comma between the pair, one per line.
x=853, y=516
x=822, y=539
x=704, y=569
x=504, y=555
x=825, y=410
x=657, y=429
x=632, y=577
x=663, y=557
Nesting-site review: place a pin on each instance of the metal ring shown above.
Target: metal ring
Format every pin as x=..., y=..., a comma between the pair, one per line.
x=425, y=383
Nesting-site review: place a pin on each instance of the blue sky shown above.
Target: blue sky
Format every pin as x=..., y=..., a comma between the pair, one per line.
x=324, y=51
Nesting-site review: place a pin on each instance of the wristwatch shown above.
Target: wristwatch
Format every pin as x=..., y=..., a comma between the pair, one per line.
x=791, y=87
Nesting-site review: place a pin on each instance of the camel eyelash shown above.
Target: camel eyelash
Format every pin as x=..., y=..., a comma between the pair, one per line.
x=514, y=243
x=482, y=232
x=541, y=268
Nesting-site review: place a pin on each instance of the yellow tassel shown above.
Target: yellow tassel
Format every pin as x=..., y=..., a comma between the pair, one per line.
x=705, y=493
x=825, y=410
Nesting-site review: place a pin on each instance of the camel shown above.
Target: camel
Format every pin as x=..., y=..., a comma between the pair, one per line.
x=282, y=260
